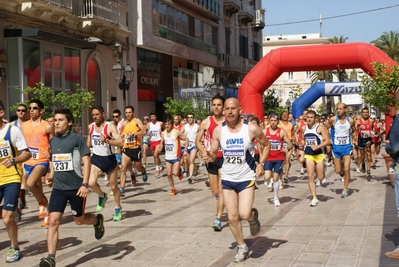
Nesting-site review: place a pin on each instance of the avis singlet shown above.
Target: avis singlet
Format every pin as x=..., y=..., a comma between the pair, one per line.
x=208, y=136
x=340, y=133
x=172, y=145
x=155, y=131
x=276, y=150
x=37, y=141
x=191, y=133
x=100, y=148
x=238, y=163
x=133, y=141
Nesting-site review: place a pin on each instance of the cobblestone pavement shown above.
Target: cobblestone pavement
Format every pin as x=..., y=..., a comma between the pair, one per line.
x=160, y=230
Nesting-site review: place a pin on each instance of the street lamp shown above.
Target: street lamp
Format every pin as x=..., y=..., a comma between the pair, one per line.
x=288, y=104
x=124, y=76
x=218, y=90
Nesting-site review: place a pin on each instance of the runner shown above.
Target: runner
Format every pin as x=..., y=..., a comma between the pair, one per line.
x=206, y=130
x=145, y=140
x=299, y=137
x=364, y=128
x=235, y=137
x=14, y=151
x=316, y=137
x=342, y=129
x=274, y=163
x=155, y=129
x=131, y=152
x=190, y=129
x=288, y=127
x=102, y=135
x=170, y=138
x=379, y=130
x=69, y=150
x=37, y=133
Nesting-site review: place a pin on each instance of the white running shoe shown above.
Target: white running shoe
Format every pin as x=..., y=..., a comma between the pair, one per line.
x=357, y=170
x=324, y=181
x=302, y=172
x=276, y=202
x=270, y=185
x=317, y=182
x=314, y=202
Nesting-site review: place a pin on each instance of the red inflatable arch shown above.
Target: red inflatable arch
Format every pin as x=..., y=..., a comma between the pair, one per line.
x=304, y=58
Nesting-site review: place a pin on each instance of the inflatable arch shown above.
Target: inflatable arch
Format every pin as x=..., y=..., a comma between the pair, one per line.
x=304, y=58
x=323, y=89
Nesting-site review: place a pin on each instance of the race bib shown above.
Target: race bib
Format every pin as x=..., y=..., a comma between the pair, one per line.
x=34, y=152
x=169, y=147
x=342, y=140
x=275, y=145
x=62, y=162
x=365, y=134
x=190, y=144
x=96, y=141
x=233, y=156
x=131, y=139
x=311, y=141
x=5, y=149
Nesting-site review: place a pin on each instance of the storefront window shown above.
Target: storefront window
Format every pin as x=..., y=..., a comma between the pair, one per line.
x=71, y=67
x=31, y=61
x=94, y=80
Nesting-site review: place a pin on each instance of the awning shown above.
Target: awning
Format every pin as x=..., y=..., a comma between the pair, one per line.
x=50, y=37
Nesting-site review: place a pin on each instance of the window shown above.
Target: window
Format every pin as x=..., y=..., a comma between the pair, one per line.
x=308, y=75
x=243, y=46
x=227, y=37
x=290, y=76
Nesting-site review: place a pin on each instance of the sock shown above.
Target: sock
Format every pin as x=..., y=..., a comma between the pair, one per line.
x=276, y=188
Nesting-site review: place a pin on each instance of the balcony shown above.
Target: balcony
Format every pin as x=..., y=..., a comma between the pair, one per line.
x=209, y=9
x=234, y=63
x=231, y=7
x=248, y=64
x=259, y=22
x=97, y=9
x=246, y=14
x=61, y=3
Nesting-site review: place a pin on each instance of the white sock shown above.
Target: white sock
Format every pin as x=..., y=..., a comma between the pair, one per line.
x=276, y=188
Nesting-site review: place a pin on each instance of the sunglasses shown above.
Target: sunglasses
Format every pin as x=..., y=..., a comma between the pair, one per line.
x=116, y=116
x=34, y=108
x=21, y=110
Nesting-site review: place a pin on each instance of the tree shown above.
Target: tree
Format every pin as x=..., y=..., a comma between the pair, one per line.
x=183, y=107
x=381, y=87
x=295, y=92
x=388, y=42
x=77, y=101
x=271, y=103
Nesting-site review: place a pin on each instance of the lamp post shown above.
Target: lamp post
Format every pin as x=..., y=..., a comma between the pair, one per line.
x=218, y=90
x=123, y=76
x=288, y=104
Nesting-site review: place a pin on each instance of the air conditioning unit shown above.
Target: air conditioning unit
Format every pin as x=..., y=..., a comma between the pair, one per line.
x=221, y=57
x=192, y=65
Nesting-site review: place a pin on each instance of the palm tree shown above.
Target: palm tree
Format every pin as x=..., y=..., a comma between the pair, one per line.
x=388, y=42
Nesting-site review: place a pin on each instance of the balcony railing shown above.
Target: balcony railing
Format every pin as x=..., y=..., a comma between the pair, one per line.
x=185, y=40
x=107, y=10
x=62, y=3
x=247, y=8
x=260, y=17
x=234, y=62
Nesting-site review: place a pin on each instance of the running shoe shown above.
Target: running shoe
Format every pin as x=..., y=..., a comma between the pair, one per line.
x=276, y=202
x=393, y=254
x=122, y=190
x=13, y=255
x=357, y=170
x=111, y=193
x=254, y=225
x=329, y=163
x=45, y=222
x=42, y=211
x=133, y=179
x=101, y=202
x=180, y=176
x=99, y=229
x=285, y=179
x=323, y=182
x=242, y=253
x=29, y=193
x=391, y=170
x=363, y=170
x=156, y=173
x=22, y=199
x=342, y=173
x=314, y=202
x=161, y=171
x=207, y=183
x=144, y=174
x=105, y=178
x=302, y=172
x=344, y=193
x=217, y=225
x=185, y=174
x=270, y=185
x=47, y=262
x=190, y=180
x=117, y=214
x=173, y=192
x=317, y=182
x=281, y=186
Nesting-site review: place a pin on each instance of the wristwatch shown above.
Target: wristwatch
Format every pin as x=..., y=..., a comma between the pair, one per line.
x=262, y=164
x=13, y=161
x=86, y=185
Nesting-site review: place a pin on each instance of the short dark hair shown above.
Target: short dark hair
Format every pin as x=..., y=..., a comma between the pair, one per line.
x=38, y=102
x=130, y=106
x=153, y=113
x=312, y=112
x=169, y=120
x=65, y=111
x=22, y=105
x=219, y=97
x=98, y=107
x=117, y=111
x=1, y=105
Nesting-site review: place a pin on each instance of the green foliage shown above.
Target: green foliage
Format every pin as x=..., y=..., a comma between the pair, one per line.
x=381, y=86
x=321, y=109
x=272, y=103
x=295, y=92
x=77, y=101
x=183, y=107
x=388, y=42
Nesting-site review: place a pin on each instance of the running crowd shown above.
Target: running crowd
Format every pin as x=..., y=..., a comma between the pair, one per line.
x=236, y=149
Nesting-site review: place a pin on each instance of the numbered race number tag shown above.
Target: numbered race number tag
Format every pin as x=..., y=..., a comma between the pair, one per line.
x=190, y=144
x=234, y=156
x=34, y=152
x=342, y=140
x=275, y=145
x=5, y=149
x=169, y=147
x=131, y=139
x=62, y=162
x=96, y=141
x=365, y=134
x=311, y=141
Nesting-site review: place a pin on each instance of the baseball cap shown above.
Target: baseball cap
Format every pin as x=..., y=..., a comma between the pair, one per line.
x=146, y=118
x=244, y=115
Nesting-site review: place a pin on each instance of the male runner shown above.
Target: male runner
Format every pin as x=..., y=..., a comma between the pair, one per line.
x=206, y=129
x=190, y=129
x=37, y=133
x=288, y=127
x=102, y=135
x=69, y=150
x=342, y=129
x=235, y=137
x=364, y=128
x=155, y=128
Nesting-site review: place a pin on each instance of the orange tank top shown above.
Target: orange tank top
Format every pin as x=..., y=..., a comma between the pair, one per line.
x=37, y=141
x=287, y=127
x=133, y=141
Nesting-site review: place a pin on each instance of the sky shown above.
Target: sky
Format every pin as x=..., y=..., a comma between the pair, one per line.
x=363, y=27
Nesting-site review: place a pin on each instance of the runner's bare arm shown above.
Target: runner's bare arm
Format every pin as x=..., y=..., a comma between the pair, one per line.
x=142, y=130
x=201, y=131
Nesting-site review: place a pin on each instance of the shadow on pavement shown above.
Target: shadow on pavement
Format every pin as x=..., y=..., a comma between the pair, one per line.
x=41, y=246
